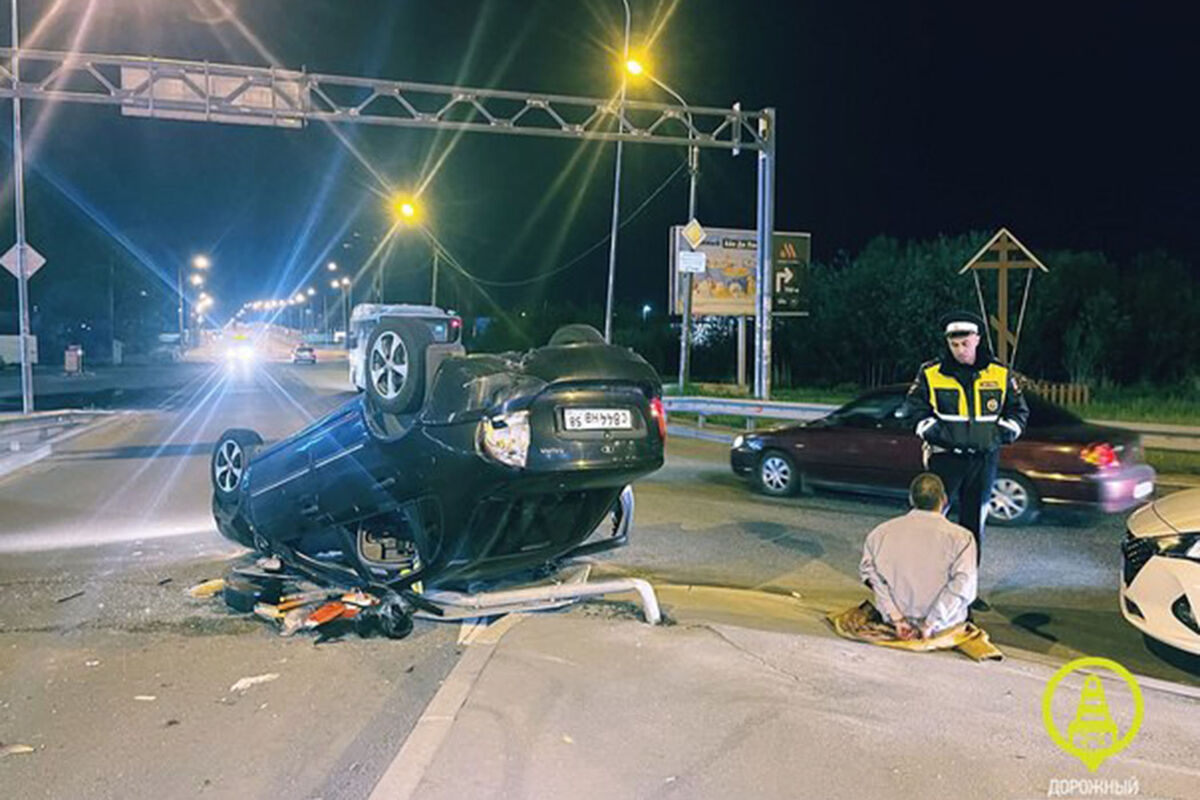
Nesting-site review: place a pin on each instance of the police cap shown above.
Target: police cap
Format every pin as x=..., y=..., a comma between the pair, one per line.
x=960, y=323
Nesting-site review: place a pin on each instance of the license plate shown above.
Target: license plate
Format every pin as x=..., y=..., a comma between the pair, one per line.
x=1143, y=489
x=597, y=419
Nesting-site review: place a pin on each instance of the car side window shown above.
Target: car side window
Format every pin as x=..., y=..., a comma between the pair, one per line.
x=870, y=411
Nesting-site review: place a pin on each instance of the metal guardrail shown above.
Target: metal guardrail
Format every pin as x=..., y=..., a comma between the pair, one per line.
x=1154, y=435
x=705, y=407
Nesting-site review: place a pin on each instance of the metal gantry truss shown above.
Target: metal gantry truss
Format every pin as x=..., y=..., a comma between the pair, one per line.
x=230, y=93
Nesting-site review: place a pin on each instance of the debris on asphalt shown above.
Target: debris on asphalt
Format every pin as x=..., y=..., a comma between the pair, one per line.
x=14, y=749
x=91, y=663
x=165, y=581
x=70, y=596
x=245, y=683
x=207, y=588
x=145, y=698
x=328, y=613
x=171, y=723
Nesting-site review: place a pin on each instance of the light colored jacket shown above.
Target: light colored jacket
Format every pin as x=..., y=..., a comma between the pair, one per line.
x=921, y=566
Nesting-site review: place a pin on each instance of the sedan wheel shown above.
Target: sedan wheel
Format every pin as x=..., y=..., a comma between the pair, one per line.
x=1013, y=501
x=228, y=465
x=777, y=474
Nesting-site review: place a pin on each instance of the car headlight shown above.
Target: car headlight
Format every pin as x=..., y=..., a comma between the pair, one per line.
x=1185, y=546
x=738, y=441
x=748, y=442
x=505, y=438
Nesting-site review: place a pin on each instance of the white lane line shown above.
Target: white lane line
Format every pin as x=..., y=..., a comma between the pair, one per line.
x=404, y=774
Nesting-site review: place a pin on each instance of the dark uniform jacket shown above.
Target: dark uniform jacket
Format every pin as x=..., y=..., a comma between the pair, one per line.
x=967, y=408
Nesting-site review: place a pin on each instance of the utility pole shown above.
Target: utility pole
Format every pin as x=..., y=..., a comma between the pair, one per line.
x=19, y=203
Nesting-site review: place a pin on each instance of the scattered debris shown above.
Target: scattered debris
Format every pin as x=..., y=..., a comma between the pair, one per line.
x=70, y=596
x=245, y=683
x=145, y=698
x=207, y=589
x=568, y=739
x=165, y=581
x=269, y=563
x=14, y=749
x=171, y=723
x=91, y=663
x=328, y=613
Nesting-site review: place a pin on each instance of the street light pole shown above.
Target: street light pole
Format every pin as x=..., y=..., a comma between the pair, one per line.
x=19, y=204
x=616, y=206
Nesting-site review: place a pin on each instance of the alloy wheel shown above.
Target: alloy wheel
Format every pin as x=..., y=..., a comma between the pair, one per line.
x=776, y=473
x=389, y=365
x=229, y=465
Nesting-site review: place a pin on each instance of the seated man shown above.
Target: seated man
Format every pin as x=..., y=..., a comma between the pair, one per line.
x=921, y=566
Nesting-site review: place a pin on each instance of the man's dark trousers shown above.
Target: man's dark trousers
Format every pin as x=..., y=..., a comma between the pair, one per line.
x=968, y=479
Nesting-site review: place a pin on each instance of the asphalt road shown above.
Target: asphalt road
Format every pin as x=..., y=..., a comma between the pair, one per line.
x=122, y=514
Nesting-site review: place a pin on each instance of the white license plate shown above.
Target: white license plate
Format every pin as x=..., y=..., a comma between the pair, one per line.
x=597, y=419
x=1143, y=489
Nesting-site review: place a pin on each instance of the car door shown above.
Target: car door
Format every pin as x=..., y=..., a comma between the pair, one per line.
x=876, y=448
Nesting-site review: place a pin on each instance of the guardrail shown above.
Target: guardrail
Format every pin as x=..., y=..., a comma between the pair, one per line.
x=1154, y=435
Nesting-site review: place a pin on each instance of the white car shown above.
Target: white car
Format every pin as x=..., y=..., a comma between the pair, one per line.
x=1160, y=586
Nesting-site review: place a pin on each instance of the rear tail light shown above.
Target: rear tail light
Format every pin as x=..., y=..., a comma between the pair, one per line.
x=660, y=416
x=1100, y=454
x=505, y=438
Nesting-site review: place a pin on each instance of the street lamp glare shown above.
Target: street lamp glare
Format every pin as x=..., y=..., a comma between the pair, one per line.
x=197, y=280
x=404, y=209
x=332, y=266
x=634, y=67
x=346, y=280
x=333, y=284
x=201, y=262
x=311, y=291
x=300, y=297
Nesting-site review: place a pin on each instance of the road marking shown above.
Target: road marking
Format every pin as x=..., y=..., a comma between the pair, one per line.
x=404, y=774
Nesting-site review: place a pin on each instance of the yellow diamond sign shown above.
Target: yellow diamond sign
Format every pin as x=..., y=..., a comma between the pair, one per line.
x=694, y=234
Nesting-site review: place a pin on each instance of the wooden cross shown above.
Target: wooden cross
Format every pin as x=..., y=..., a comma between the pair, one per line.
x=1002, y=253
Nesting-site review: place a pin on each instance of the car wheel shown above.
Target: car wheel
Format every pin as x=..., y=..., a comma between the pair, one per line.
x=230, y=457
x=394, y=372
x=1014, y=501
x=777, y=474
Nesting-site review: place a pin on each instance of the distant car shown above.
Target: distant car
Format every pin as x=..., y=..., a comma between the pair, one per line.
x=450, y=468
x=304, y=355
x=1160, y=586
x=867, y=446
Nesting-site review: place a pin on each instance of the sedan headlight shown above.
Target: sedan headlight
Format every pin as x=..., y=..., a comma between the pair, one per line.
x=505, y=438
x=1185, y=546
x=738, y=441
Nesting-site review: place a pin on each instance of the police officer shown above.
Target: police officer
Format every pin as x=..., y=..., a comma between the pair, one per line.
x=966, y=406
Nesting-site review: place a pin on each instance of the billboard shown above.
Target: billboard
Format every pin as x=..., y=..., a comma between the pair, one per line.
x=724, y=282
x=277, y=100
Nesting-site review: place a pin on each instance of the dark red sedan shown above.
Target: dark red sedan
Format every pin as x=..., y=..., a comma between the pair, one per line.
x=868, y=445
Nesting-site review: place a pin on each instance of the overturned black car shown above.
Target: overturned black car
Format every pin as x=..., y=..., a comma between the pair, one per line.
x=449, y=468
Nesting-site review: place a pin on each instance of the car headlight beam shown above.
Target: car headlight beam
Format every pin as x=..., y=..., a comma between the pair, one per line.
x=505, y=438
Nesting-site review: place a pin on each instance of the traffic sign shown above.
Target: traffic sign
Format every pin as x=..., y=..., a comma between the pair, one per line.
x=695, y=263
x=693, y=234
x=790, y=262
x=33, y=261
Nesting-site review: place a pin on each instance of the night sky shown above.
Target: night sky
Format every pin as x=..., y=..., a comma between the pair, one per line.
x=1070, y=123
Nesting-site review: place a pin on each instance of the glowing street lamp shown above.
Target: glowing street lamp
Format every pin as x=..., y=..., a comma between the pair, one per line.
x=201, y=262
x=196, y=279
x=634, y=67
x=404, y=209
x=331, y=266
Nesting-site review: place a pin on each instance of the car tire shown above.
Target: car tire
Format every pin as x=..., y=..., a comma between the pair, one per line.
x=394, y=368
x=1014, y=501
x=235, y=448
x=777, y=474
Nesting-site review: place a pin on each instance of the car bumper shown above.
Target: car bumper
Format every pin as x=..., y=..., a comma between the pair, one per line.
x=1153, y=599
x=1110, y=491
x=743, y=460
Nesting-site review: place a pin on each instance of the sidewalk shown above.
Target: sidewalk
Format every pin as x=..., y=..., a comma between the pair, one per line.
x=586, y=704
x=99, y=386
